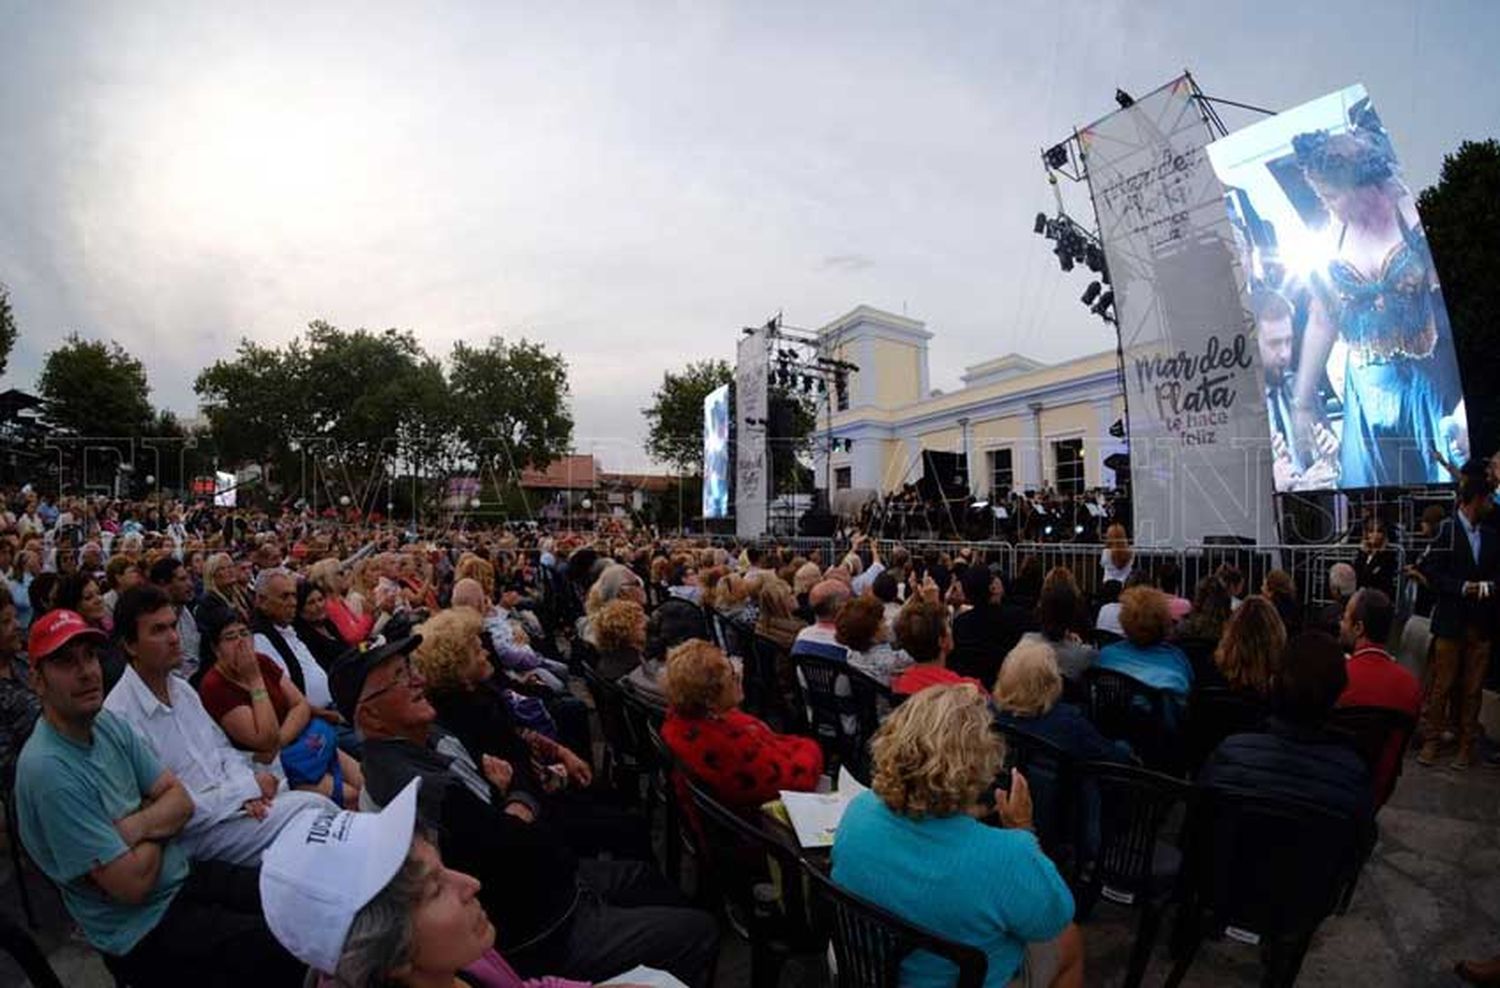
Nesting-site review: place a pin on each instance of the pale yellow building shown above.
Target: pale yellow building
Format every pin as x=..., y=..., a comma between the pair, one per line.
x=1018, y=422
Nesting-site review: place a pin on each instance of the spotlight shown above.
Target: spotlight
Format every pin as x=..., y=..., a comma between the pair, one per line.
x=1040, y=227
x=1117, y=429
x=1101, y=308
x=1125, y=100
x=1057, y=155
x=1090, y=293
x=1047, y=530
x=1093, y=257
x=1064, y=256
x=1077, y=529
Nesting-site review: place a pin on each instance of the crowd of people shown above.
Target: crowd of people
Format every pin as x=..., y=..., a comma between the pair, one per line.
x=246, y=745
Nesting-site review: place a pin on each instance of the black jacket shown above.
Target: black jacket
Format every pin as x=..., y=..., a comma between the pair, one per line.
x=1448, y=565
x=529, y=875
x=982, y=638
x=1294, y=761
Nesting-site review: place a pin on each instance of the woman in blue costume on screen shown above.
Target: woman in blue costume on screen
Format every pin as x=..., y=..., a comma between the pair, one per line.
x=1379, y=294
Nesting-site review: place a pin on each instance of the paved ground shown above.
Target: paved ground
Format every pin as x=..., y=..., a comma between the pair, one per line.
x=1430, y=896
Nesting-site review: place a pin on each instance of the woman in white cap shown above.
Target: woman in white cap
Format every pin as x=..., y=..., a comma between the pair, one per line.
x=365, y=901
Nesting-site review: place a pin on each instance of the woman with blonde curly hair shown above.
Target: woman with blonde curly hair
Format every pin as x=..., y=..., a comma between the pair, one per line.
x=620, y=629
x=914, y=845
x=474, y=567
x=1145, y=654
x=738, y=756
x=1250, y=650
x=471, y=706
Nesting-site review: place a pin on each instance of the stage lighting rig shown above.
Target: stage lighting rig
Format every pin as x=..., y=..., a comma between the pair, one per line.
x=1090, y=293
x=1125, y=100
x=1057, y=156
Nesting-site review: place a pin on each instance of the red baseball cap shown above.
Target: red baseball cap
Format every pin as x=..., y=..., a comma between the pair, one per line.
x=55, y=629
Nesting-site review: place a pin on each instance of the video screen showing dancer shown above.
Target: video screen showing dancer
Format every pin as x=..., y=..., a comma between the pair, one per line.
x=1362, y=385
x=716, y=453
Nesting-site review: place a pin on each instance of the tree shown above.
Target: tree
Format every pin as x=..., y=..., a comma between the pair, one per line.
x=1461, y=215
x=511, y=400
x=674, y=420
x=7, y=329
x=94, y=389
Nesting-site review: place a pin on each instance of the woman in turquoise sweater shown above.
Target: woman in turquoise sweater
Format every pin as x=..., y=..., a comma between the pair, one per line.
x=915, y=846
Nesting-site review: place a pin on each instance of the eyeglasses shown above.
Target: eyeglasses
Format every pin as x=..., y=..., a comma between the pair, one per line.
x=403, y=679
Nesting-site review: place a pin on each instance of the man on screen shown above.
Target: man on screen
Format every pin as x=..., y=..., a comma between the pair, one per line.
x=1276, y=340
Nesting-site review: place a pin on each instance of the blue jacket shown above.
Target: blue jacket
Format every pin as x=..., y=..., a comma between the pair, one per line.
x=1299, y=762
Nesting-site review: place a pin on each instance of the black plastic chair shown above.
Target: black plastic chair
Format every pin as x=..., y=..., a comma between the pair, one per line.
x=1213, y=714
x=735, y=865
x=1263, y=870
x=1052, y=779
x=1125, y=708
x=1128, y=862
x=763, y=693
x=1380, y=735
x=622, y=766
x=24, y=950
x=17, y=856
x=870, y=943
x=842, y=706
x=668, y=769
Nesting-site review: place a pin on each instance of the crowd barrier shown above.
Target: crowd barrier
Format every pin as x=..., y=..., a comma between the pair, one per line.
x=1307, y=564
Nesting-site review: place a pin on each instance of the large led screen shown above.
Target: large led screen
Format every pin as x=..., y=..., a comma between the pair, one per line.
x=1362, y=386
x=716, y=453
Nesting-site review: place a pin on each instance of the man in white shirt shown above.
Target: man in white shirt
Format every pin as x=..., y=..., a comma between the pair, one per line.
x=237, y=809
x=276, y=639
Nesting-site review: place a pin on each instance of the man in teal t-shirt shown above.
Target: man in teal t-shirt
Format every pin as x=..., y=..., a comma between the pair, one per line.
x=98, y=814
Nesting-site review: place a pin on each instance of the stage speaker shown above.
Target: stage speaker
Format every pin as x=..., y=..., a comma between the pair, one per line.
x=817, y=524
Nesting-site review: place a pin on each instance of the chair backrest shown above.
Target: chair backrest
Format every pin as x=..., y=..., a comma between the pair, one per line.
x=870, y=943
x=842, y=706
x=1132, y=806
x=1053, y=780
x=609, y=704
x=1380, y=735
x=1416, y=640
x=762, y=683
x=738, y=852
x=643, y=721
x=1267, y=865
x=1216, y=712
x=1125, y=708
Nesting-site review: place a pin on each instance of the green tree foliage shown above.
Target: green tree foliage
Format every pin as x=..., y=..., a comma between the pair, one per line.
x=1461, y=215
x=95, y=389
x=511, y=400
x=674, y=420
x=7, y=329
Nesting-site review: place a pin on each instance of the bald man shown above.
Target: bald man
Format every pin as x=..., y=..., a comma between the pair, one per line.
x=820, y=639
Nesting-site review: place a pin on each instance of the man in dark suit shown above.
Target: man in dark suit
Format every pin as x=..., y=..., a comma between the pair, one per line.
x=1462, y=571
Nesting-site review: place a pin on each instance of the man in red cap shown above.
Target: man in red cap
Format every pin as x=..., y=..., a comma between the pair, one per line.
x=99, y=815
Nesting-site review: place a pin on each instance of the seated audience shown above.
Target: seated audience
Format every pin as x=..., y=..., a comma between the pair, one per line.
x=738, y=756
x=353, y=623
x=276, y=638
x=1295, y=755
x=616, y=581
x=313, y=627
x=1279, y=589
x=821, y=639
x=620, y=637
x=1169, y=581
x=1027, y=696
x=174, y=578
x=778, y=618
x=914, y=845
x=413, y=922
x=985, y=633
x=1376, y=679
x=238, y=808
x=680, y=617
x=1198, y=634
x=514, y=657
x=861, y=628
x=1145, y=654
x=807, y=577
x=1108, y=618
x=19, y=705
x=1057, y=613
x=1253, y=643
x=263, y=712
x=459, y=684
x=586, y=919
x=1342, y=582
x=922, y=629
x=100, y=816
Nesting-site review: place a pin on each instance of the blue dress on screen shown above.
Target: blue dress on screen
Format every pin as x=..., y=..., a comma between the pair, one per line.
x=1398, y=382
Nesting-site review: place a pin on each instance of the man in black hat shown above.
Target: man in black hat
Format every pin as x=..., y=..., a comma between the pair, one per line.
x=553, y=913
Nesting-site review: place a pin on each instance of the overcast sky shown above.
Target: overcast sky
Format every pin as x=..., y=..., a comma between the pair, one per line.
x=628, y=183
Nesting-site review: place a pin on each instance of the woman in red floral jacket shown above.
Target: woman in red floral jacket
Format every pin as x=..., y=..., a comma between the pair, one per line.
x=738, y=756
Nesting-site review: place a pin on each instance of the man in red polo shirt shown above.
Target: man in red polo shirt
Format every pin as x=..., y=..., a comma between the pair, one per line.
x=1376, y=679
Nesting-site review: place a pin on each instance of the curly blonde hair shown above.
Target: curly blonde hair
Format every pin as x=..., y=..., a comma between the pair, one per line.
x=447, y=637
x=1146, y=615
x=620, y=625
x=472, y=567
x=936, y=752
x=697, y=677
x=1030, y=683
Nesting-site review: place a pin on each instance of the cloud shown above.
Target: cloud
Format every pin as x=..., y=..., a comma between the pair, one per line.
x=847, y=262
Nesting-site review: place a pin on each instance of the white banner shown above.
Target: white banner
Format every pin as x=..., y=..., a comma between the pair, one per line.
x=751, y=462
x=1200, y=461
